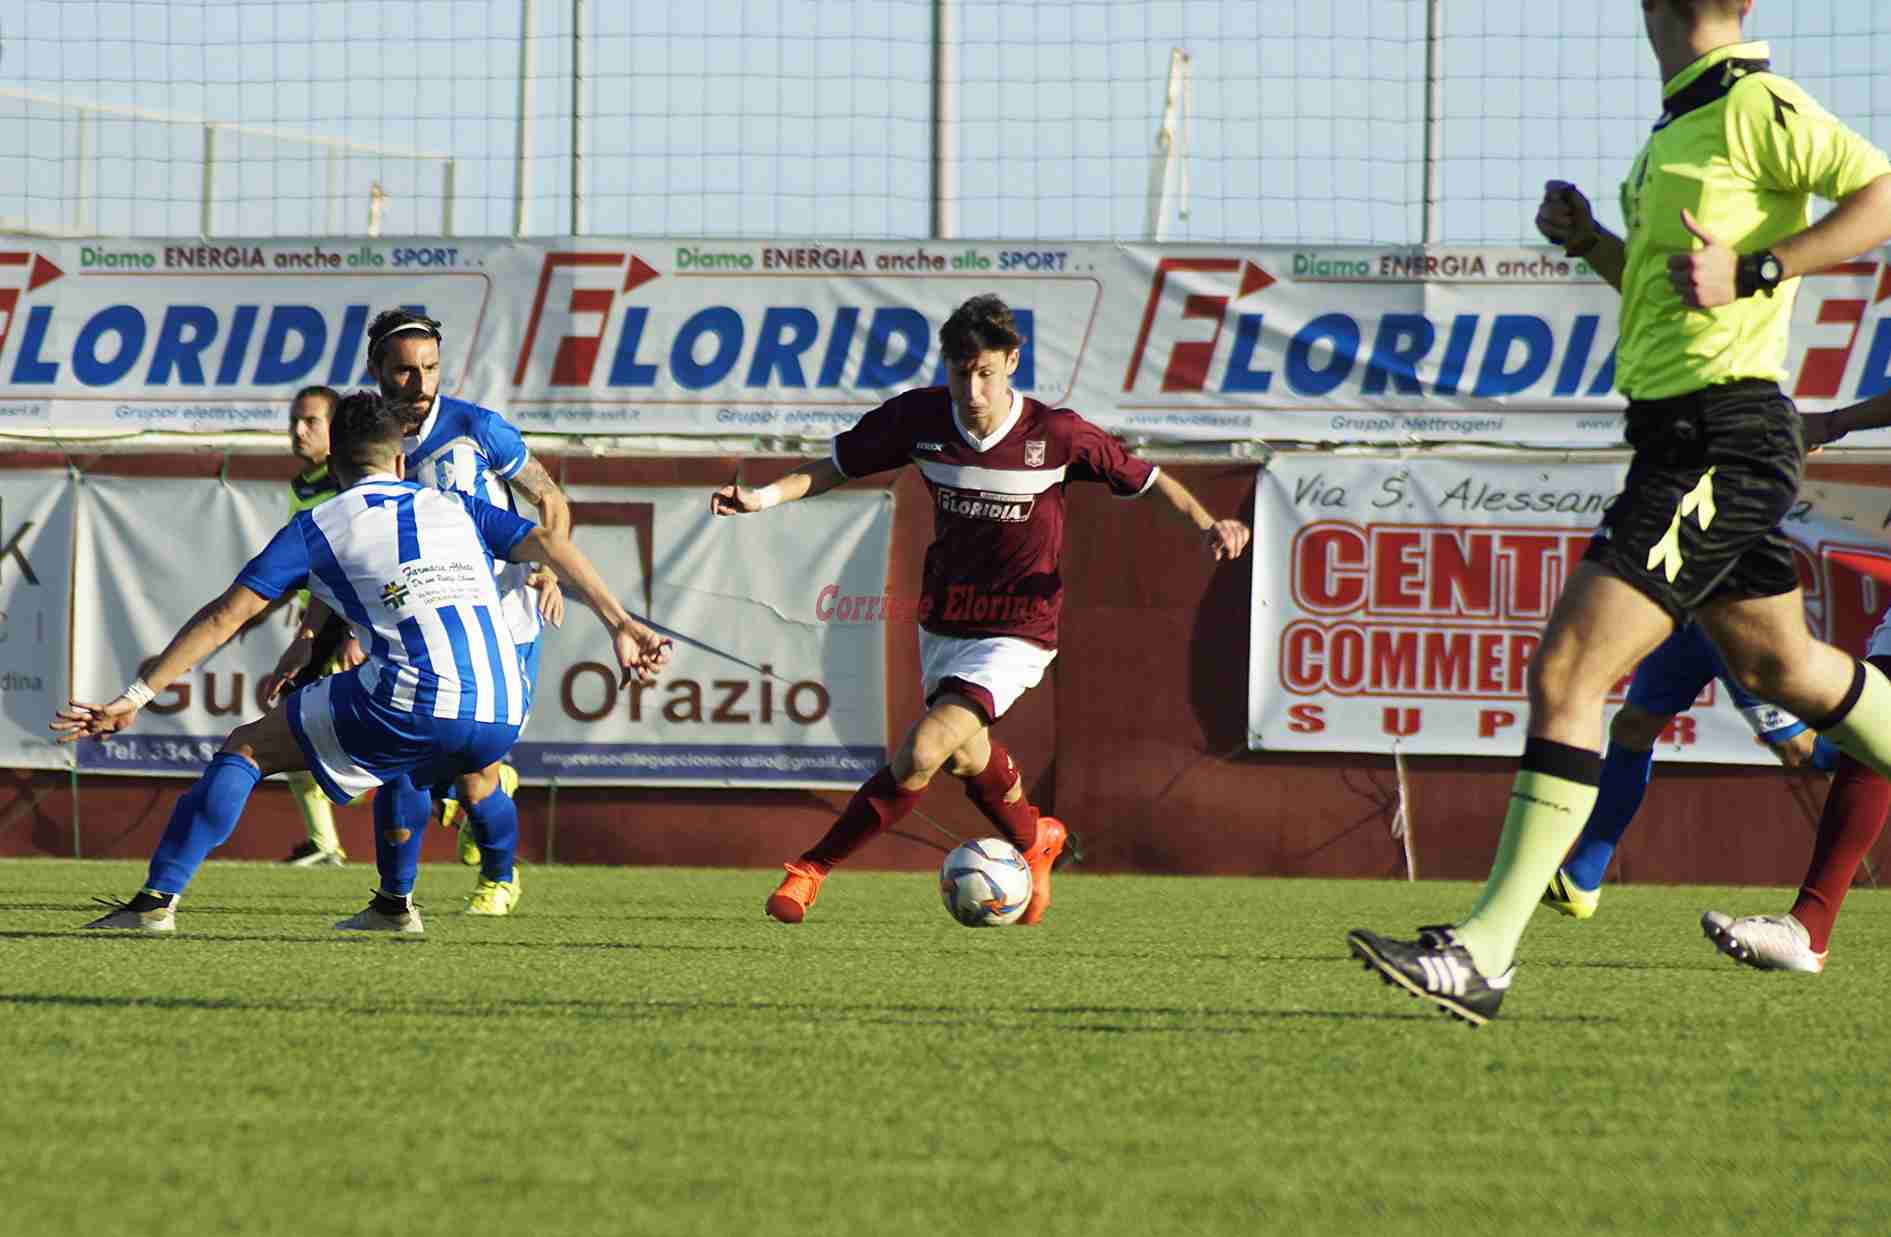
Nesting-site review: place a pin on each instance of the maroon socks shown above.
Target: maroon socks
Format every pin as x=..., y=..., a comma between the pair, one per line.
x=874, y=806
x=1855, y=810
x=987, y=791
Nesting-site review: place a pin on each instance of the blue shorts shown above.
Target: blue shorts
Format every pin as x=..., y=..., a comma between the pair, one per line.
x=353, y=743
x=1670, y=679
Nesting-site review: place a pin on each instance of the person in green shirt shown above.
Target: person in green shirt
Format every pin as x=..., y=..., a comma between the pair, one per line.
x=1717, y=209
x=309, y=415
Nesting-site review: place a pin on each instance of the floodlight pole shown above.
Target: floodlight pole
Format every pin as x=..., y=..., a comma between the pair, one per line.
x=208, y=209
x=945, y=101
x=1434, y=118
x=521, y=204
x=577, y=117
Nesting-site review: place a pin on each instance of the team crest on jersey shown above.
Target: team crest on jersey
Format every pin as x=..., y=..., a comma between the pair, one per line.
x=443, y=471
x=1034, y=453
x=394, y=596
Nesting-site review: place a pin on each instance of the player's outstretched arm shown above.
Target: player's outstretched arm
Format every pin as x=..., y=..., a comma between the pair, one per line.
x=1565, y=218
x=641, y=653
x=541, y=491
x=207, y=631
x=804, y=482
x=1224, y=538
x=554, y=512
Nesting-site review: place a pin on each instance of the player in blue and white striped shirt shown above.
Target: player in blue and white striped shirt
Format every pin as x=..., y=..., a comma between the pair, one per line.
x=441, y=695
x=455, y=445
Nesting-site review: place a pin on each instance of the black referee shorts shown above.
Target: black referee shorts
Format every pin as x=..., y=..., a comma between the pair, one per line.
x=1715, y=471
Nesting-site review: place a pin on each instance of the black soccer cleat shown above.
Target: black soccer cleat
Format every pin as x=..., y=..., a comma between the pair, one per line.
x=1434, y=968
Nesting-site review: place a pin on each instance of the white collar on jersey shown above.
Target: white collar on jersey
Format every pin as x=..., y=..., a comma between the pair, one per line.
x=982, y=445
x=376, y=476
x=411, y=443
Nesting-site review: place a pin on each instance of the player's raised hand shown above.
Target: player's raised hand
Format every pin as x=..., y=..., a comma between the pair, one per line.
x=733, y=499
x=1226, y=539
x=1565, y=216
x=641, y=653
x=1707, y=277
x=551, y=598
x=79, y=720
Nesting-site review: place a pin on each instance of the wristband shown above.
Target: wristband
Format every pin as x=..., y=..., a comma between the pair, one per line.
x=768, y=496
x=139, y=693
x=1588, y=245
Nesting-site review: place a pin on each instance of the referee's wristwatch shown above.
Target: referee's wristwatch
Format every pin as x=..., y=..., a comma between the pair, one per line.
x=1758, y=272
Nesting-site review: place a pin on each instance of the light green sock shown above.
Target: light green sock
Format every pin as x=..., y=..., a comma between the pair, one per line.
x=1546, y=815
x=317, y=816
x=1864, y=733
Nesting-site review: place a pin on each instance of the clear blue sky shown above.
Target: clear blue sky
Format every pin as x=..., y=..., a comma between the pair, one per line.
x=809, y=118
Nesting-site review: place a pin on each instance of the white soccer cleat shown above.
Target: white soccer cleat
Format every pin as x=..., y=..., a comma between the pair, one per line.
x=1765, y=942
x=124, y=918
x=378, y=918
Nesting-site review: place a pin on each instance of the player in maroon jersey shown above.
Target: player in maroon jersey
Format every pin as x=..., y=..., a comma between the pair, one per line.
x=997, y=463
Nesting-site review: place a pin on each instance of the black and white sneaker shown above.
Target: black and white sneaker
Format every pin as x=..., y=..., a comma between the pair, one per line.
x=146, y=912
x=1434, y=968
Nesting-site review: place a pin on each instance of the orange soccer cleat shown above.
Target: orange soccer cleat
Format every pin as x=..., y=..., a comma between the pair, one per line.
x=794, y=897
x=1051, y=837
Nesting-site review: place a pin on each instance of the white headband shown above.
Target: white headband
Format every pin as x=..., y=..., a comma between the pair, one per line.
x=411, y=326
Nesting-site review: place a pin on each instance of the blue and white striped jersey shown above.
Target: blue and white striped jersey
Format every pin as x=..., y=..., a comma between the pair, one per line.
x=462, y=446
x=411, y=569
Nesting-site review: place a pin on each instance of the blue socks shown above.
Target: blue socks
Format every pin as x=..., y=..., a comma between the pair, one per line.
x=203, y=820
x=1624, y=783
x=401, y=810
x=495, y=821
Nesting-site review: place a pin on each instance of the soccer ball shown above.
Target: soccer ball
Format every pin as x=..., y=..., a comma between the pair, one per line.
x=985, y=884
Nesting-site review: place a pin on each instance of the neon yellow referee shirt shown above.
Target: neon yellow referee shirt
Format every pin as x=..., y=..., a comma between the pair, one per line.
x=1744, y=150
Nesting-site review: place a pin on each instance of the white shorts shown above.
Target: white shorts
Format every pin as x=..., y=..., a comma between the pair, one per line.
x=992, y=671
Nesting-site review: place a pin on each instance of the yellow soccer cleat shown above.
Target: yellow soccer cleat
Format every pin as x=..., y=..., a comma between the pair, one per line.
x=491, y=897
x=1569, y=898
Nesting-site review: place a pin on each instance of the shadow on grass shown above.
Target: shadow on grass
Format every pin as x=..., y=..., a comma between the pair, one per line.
x=1036, y=1017
x=286, y=909
x=1607, y=964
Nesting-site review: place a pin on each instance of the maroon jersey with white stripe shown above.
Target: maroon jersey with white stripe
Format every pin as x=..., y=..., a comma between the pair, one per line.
x=998, y=504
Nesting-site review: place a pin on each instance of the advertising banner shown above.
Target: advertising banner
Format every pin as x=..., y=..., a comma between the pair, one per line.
x=1400, y=601
x=35, y=590
x=771, y=684
x=775, y=339
x=151, y=552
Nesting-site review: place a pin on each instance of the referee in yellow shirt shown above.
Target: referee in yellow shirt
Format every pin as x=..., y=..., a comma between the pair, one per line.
x=309, y=414
x=1716, y=207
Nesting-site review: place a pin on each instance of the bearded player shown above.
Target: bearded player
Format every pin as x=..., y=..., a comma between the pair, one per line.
x=997, y=464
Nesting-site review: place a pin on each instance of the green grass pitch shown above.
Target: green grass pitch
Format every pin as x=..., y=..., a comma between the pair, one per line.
x=640, y=1051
